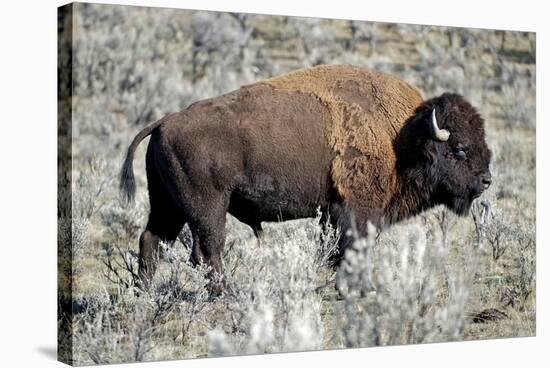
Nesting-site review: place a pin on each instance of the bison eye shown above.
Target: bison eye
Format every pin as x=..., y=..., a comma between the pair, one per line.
x=459, y=153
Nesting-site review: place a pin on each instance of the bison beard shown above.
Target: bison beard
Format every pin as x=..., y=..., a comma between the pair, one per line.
x=360, y=145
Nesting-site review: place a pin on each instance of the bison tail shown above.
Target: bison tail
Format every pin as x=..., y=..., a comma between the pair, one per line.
x=127, y=180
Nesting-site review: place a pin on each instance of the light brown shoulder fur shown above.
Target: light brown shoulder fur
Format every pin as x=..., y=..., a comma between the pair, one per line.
x=368, y=109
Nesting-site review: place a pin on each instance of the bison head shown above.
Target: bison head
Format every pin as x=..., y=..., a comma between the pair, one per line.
x=449, y=158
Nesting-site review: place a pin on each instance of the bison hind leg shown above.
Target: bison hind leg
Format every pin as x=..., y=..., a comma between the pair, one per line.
x=164, y=226
x=165, y=223
x=209, y=239
x=246, y=212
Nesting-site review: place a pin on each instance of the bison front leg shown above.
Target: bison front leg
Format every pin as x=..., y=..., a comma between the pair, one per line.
x=340, y=218
x=351, y=224
x=344, y=224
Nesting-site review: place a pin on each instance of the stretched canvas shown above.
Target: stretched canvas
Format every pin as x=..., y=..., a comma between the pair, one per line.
x=235, y=183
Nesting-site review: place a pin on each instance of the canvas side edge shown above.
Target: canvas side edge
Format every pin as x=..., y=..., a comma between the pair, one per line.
x=64, y=183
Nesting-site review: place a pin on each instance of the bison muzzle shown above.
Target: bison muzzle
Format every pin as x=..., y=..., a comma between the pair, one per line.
x=362, y=146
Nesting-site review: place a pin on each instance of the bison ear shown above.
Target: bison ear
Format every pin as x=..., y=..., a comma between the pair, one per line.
x=436, y=133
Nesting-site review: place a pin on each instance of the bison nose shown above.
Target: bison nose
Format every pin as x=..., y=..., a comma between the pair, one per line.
x=486, y=179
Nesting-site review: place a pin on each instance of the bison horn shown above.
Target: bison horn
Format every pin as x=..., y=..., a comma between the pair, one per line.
x=438, y=134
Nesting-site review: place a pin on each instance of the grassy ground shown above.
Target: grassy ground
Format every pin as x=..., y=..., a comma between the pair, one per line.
x=435, y=277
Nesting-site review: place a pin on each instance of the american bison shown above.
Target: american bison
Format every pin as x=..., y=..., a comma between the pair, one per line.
x=360, y=145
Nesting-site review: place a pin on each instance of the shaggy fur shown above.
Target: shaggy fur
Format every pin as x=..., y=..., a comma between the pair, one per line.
x=367, y=110
x=351, y=141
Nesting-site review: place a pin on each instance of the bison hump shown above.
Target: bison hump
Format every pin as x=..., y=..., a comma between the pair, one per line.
x=368, y=109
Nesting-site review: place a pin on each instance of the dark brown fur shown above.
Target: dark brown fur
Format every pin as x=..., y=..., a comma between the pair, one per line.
x=351, y=141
